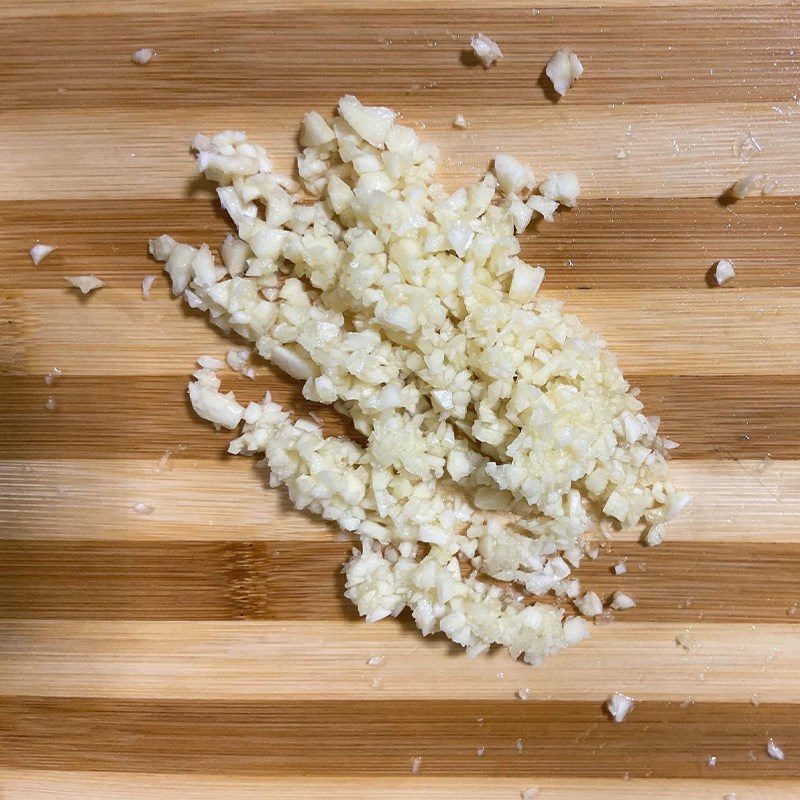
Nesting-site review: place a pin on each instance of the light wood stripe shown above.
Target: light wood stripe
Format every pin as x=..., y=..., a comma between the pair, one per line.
x=666, y=244
x=746, y=502
x=209, y=58
x=654, y=332
x=381, y=738
x=20, y=784
x=118, y=153
x=85, y=8
x=299, y=661
x=301, y=580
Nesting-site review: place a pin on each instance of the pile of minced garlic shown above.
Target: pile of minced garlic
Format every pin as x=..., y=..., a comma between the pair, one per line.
x=497, y=426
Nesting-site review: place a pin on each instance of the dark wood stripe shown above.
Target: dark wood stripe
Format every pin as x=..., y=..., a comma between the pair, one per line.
x=736, y=416
x=209, y=59
x=296, y=580
x=637, y=243
x=376, y=737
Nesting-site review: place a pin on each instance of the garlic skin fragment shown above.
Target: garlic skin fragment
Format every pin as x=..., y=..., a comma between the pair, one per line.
x=39, y=253
x=773, y=751
x=147, y=285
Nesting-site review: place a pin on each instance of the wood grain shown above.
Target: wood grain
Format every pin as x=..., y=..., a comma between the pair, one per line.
x=204, y=650
x=25, y=784
x=633, y=56
x=378, y=738
x=656, y=332
x=683, y=149
x=86, y=8
x=251, y=660
x=733, y=416
x=301, y=580
x=741, y=501
x=667, y=244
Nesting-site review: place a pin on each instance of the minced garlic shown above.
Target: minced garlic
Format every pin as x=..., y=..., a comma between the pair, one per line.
x=489, y=414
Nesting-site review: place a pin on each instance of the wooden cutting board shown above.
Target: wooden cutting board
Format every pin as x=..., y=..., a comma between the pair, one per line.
x=204, y=650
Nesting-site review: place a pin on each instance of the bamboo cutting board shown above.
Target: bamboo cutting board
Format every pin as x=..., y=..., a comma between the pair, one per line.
x=204, y=650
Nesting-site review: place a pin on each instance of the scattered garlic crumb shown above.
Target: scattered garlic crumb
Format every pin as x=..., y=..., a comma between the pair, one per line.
x=486, y=50
x=745, y=185
x=686, y=640
x=140, y=507
x=524, y=693
x=480, y=751
x=376, y=661
x=620, y=568
x=460, y=121
x=618, y=705
x=792, y=610
x=147, y=284
x=754, y=701
x=751, y=183
x=377, y=682
x=576, y=629
x=773, y=751
x=237, y=361
x=51, y=377
x=519, y=745
x=724, y=271
x=416, y=763
x=39, y=253
x=50, y=404
x=655, y=535
x=590, y=605
x=712, y=761
x=210, y=362
x=86, y=283
x=622, y=602
x=163, y=462
x=564, y=69
x=563, y=187
x=746, y=146
x=622, y=153
x=530, y=793
x=768, y=186
x=143, y=56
